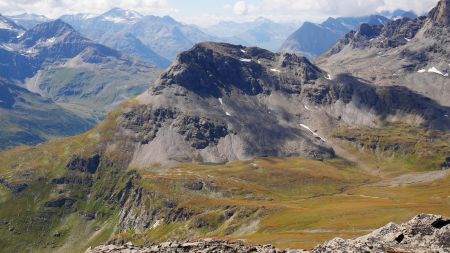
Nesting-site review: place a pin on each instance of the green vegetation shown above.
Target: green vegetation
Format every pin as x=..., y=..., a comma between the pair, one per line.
x=91, y=92
x=289, y=202
x=398, y=148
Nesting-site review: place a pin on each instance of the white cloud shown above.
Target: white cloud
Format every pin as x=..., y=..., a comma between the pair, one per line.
x=344, y=7
x=56, y=8
x=240, y=8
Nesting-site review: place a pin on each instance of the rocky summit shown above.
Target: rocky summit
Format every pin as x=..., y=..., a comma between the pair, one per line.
x=424, y=233
x=220, y=102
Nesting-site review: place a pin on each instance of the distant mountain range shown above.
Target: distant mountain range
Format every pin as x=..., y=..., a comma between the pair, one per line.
x=158, y=40
x=28, y=20
x=155, y=39
x=52, y=63
x=261, y=32
x=313, y=39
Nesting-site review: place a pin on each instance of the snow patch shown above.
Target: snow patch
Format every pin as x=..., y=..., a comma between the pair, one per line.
x=307, y=108
x=435, y=70
x=245, y=60
x=116, y=20
x=50, y=40
x=228, y=114
x=221, y=101
x=315, y=134
x=328, y=77
x=157, y=223
x=275, y=70
x=432, y=70
x=30, y=51
x=407, y=39
x=243, y=51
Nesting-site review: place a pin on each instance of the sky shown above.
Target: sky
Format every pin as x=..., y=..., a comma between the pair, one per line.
x=209, y=12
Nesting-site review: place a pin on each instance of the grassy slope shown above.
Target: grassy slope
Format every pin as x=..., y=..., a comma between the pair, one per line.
x=287, y=202
x=87, y=88
x=32, y=119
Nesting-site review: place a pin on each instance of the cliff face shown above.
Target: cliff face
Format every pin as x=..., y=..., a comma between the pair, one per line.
x=424, y=233
x=441, y=13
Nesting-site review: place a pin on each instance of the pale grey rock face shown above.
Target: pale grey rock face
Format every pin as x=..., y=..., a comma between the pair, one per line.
x=227, y=103
x=424, y=233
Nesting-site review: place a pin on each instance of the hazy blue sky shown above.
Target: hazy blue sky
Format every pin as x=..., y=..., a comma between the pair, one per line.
x=206, y=12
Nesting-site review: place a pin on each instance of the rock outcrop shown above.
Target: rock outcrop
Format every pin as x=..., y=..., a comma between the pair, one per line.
x=424, y=233
x=220, y=102
x=441, y=13
x=206, y=246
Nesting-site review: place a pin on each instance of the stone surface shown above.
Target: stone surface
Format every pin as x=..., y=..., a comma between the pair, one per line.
x=206, y=246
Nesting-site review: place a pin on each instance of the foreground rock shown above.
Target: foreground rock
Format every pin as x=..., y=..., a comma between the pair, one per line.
x=424, y=233
x=200, y=246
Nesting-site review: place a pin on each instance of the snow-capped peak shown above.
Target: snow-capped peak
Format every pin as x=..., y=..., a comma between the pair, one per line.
x=118, y=15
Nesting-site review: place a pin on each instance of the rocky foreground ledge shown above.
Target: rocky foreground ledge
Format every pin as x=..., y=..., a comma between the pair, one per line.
x=424, y=233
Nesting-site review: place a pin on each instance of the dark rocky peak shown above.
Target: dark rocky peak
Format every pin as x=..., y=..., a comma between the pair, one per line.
x=441, y=13
x=49, y=30
x=358, y=39
x=302, y=67
x=369, y=31
x=398, y=32
x=394, y=34
x=209, y=69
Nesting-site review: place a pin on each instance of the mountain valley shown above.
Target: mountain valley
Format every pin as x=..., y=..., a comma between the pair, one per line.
x=231, y=146
x=81, y=78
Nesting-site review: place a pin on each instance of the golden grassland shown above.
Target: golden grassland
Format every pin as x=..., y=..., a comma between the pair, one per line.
x=304, y=202
x=288, y=202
